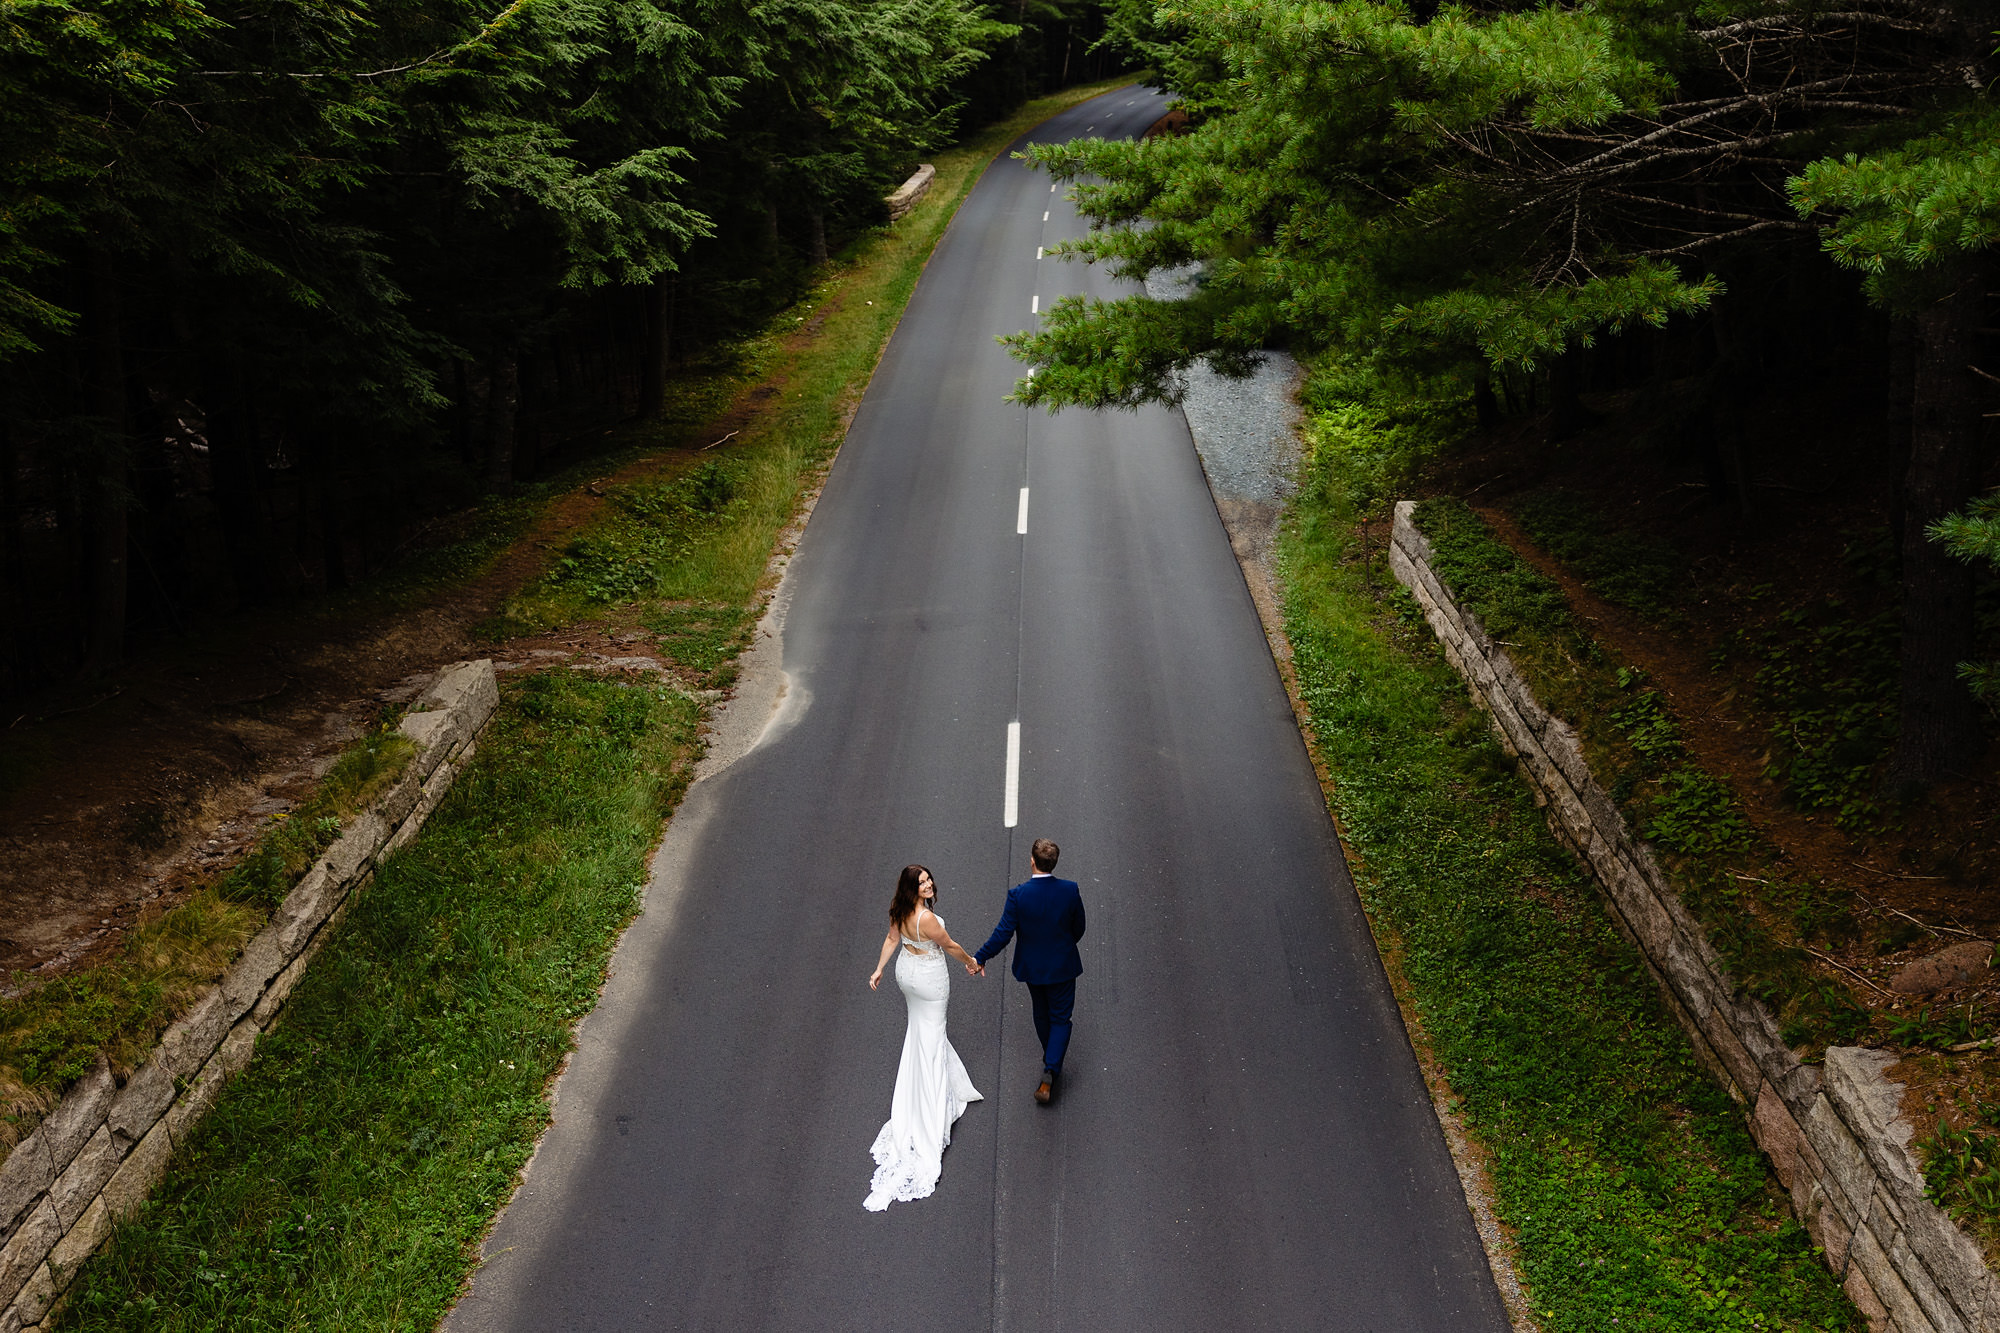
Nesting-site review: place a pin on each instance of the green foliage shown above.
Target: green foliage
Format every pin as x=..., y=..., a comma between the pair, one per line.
x=658, y=525
x=1330, y=193
x=1368, y=429
x=293, y=843
x=344, y=1178
x=1828, y=674
x=1694, y=814
x=1902, y=212
x=1626, y=1175
x=1622, y=568
x=704, y=637
x=1973, y=534
x=1962, y=1174
x=1937, y=1031
x=1507, y=594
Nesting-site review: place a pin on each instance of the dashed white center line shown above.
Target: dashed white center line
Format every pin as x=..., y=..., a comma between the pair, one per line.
x=1011, y=807
x=1035, y=306
x=1045, y=215
x=1052, y=187
x=1021, y=514
x=1038, y=252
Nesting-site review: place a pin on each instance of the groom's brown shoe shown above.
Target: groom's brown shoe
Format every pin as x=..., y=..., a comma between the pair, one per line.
x=1045, y=1091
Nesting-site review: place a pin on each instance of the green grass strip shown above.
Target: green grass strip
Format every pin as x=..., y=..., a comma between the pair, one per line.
x=343, y=1179
x=1637, y=1197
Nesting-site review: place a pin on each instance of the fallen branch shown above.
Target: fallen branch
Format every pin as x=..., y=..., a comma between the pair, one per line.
x=1928, y=926
x=1890, y=873
x=724, y=440
x=1835, y=962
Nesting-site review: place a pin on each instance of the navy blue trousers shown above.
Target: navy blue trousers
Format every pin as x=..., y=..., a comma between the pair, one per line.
x=1053, y=1005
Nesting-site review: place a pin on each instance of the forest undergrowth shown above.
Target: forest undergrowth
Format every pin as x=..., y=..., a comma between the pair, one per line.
x=1633, y=1194
x=345, y=1177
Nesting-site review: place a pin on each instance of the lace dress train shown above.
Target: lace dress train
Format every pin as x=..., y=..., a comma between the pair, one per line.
x=932, y=1087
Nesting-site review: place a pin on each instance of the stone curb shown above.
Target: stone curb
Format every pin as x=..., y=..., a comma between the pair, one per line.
x=906, y=195
x=96, y=1156
x=1835, y=1136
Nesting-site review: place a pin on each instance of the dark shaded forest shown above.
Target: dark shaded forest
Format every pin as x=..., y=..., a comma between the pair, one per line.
x=281, y=284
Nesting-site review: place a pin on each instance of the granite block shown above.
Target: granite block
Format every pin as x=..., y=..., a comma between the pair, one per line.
x=193, y=1104
x=83, y=1238
x=191, y=1039
x=23, y=1178
x=78, y=1114
x=77, y=1187
x=141, y=1170
x=142, y=1102
x=29, y=1245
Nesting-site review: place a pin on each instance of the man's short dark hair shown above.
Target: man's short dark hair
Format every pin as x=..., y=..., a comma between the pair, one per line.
x=1045, y=854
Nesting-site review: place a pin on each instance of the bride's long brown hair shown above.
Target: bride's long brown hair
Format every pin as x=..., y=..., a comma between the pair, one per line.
x=904, y=905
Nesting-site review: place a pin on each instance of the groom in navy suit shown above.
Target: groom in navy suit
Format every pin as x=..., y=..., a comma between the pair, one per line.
x=1048, y=914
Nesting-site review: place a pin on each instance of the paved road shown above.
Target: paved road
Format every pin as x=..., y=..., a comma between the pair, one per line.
x=1243, y=1140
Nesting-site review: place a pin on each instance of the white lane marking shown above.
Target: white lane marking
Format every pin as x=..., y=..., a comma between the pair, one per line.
x=1011, y=811
x=1052, y=187
x=1038, y=253
x=1021, y=515
x=1035, y=306
x=1045, y=215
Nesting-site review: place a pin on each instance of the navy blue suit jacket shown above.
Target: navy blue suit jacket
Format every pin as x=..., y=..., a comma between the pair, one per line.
x=1048, y=914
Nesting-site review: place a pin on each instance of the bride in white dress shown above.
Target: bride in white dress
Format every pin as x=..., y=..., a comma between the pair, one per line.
x=932, y=1087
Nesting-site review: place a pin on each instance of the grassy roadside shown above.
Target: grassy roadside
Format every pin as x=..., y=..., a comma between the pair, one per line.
x=342, y=1181
x=344, y=1178
x=1635, y=1195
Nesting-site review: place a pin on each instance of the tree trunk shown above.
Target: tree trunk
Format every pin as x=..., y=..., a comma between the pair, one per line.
x=816, y=221
x=1938, y=727
x=237, y=469
x=14, y=663
x=326, y=503
x=1902, y=390
x=503, y=397
x=1484, y=405
x=107, y=498
x=659, y=348
x=1567, y=414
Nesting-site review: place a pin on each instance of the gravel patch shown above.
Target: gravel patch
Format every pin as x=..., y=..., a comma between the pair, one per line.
x=1245, y=430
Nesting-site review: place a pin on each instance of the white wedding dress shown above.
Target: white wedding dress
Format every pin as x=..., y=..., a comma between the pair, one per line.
x=932, y=1087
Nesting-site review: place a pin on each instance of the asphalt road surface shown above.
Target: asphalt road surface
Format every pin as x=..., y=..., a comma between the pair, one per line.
x=1242, y=1140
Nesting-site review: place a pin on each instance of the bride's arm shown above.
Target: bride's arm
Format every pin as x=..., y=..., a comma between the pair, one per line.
x=888, y=949
x=934, y=931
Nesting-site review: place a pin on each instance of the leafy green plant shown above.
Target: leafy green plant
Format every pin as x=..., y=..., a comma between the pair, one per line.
x=704, y=637
x=1828, y=674
x=1962, y=1175
x=1935, y=1030
x=1624, y=569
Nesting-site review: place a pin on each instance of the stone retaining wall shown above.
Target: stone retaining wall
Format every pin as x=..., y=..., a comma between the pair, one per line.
x=1834, y=1134
x=97, y=1155
x=906, y=195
